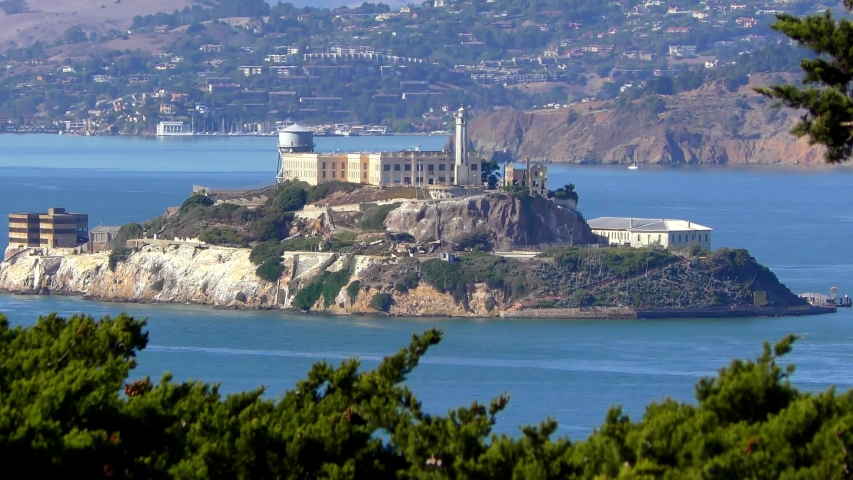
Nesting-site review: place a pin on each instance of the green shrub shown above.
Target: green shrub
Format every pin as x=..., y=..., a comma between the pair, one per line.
x=323, y=190
x=266, y=251
x=333, y=283
x=381, y=302
x=373, y=218
x=158, y=285
x=308, y=295
x=221, y=235
x=197, y=200
x=352, y=291
x=301, y=244
x=290, y=198
x=270, y=270
x=268, y=229
x=118, y=255
x=125, y=233
x=623, y=261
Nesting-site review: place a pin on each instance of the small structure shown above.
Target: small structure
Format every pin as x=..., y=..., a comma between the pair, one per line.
x=534, y=178
x=644, y=232
x=100, y=237
x=169, y=129
x=449, y=257
x=54, y=229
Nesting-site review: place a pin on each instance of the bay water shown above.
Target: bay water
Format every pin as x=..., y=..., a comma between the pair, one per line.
x=797, y=221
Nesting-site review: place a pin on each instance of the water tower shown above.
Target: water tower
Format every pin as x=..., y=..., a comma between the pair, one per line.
x=292, y=141
x=296, y=139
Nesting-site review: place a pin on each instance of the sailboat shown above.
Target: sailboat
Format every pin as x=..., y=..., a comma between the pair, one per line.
x=633, y=165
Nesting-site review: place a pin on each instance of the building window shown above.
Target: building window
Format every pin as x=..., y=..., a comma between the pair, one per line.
x=679, y=238
x=408, y=167
x=452, y=179
x=343, y=166
x=441, y=167
x=658, y=238
x=365, y=175
x=473, y=167
x=396, y=167
x=431, y=167
x=638, y=238
x=442, y=179
x=706, y=237
x=408, y=179
x=386, y=168
x=333, y=174
x=324, y=164
x=365, y=166
x=420, y=167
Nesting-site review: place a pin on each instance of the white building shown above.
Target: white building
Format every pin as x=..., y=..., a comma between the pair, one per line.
x=298, y=161
x=643, y=232
x=173, y=129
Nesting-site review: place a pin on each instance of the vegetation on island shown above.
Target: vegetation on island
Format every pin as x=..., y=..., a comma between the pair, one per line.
x=71, y=408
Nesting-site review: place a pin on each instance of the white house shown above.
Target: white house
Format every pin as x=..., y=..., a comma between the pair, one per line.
x=643, y=232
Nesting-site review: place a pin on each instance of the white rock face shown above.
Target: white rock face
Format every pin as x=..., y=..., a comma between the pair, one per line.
x=216, y=276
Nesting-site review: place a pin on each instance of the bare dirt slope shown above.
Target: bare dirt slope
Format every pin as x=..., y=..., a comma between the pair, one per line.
x=48, y=19
x=707, y=125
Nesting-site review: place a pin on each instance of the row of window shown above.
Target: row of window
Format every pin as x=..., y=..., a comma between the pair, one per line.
x=420, y=180
x=672, y=238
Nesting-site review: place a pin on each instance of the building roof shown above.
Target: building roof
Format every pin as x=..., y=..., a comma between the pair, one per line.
x=646, y=224
x=111, y=229
x=296, y=128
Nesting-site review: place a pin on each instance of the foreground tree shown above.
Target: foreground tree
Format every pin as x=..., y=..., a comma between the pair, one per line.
x=826, y=97
x=67, y=409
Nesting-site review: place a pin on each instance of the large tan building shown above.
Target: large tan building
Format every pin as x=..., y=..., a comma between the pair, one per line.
x=533, y=177
x=54, y=229
x=644, y=232
x=298, y=161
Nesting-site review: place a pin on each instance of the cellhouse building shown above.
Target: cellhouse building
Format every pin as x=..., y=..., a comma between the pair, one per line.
x=448, y=167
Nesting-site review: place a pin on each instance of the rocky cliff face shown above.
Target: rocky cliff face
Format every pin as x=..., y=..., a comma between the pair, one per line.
x=222, y=277
x=706, y=126
x=514, y=222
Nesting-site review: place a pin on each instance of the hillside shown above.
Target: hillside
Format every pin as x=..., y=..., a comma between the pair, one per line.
x=709, y=125
x=47, y=20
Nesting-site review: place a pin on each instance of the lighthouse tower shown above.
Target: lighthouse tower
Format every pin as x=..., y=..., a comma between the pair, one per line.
x=460, y=147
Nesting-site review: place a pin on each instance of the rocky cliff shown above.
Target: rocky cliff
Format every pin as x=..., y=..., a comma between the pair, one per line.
x=709, y=125
x=512, y=221
x=222, y=277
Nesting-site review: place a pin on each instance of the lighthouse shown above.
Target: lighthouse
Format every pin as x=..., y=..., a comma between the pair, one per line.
x=460, y=147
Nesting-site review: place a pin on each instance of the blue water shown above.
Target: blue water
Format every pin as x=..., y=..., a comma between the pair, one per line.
x=795, y=221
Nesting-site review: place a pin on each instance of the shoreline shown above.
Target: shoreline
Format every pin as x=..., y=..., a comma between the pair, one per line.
x=640, y=313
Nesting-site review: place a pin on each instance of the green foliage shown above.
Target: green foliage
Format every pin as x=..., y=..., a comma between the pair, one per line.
x=301, y=244
x=497, y=272
x=69, y=410
x=221, y=235
x=308, y=295
x=118, y=255
x=490, y=174
x=291, y=197
x=333, y=283
x=623, y=261
x=352, y=291
x=478, y=240
x=125, y=233
x=323, y=190
x=826, y=97
x=265, y=252
x=566, y=193
x=269, y=228
x=341, y=241
x=197, y=200
x=270, y=270
x=157, y=286
x=381, y=302
x=373, y=218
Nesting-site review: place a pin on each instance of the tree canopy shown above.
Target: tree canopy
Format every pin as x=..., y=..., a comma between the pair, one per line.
x=68, y=408
x=826, y=96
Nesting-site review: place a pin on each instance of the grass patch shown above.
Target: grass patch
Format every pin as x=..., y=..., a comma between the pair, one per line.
x=374, y=216
x=622, y=262
x=398, y=192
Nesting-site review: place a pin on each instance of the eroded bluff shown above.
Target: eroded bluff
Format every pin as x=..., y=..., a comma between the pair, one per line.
x=511, y=221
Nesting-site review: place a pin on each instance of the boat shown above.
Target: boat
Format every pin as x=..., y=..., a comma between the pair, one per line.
x=633, y=165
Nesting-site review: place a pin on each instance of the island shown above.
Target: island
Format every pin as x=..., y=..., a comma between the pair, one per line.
x=342, y=248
